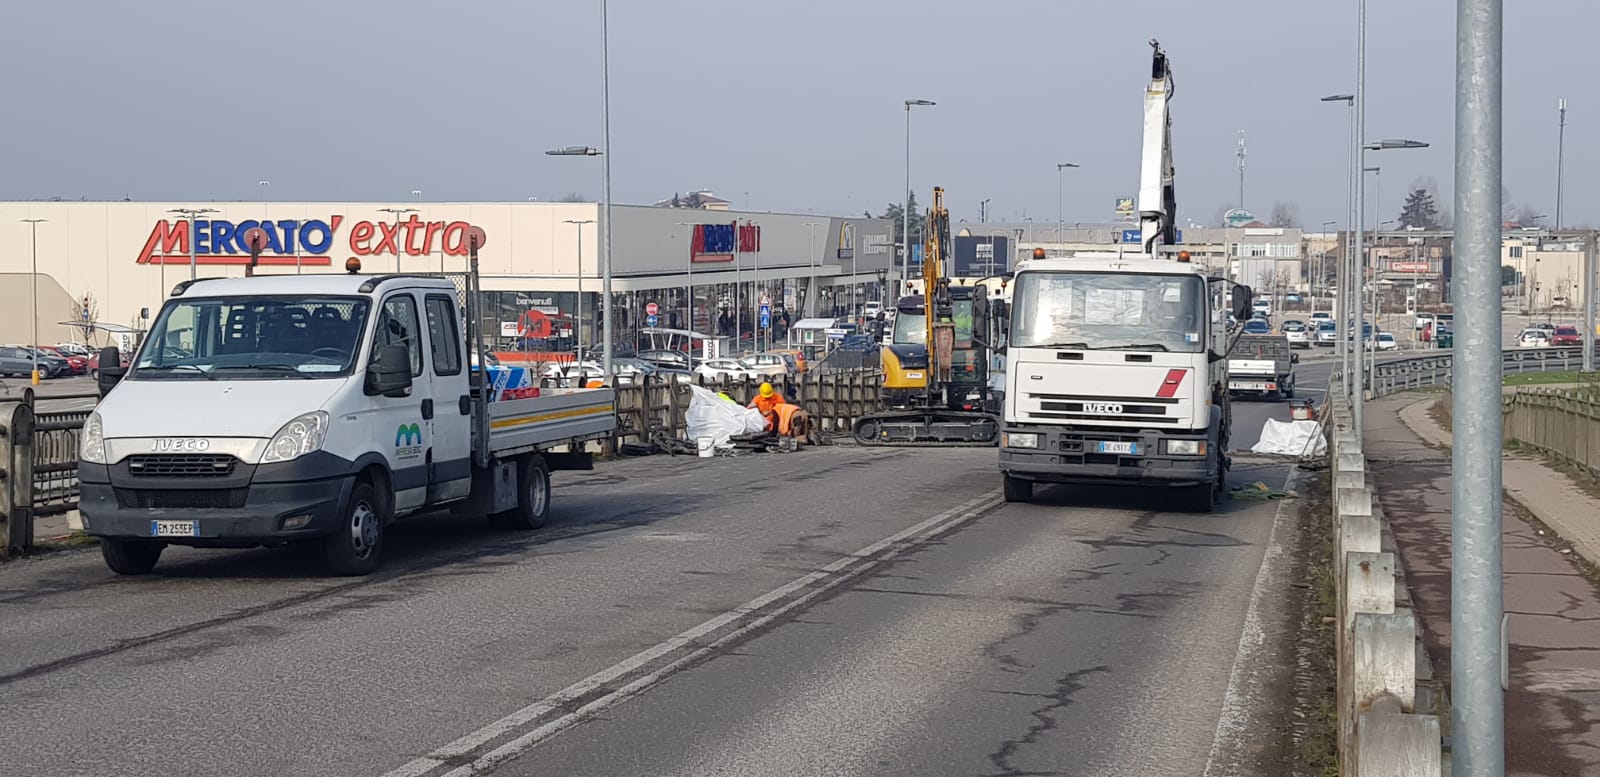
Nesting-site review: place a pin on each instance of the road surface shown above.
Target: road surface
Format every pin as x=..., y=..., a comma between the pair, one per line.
x=835, y=611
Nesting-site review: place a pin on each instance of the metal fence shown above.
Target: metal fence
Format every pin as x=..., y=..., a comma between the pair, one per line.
x=1397, y=375
x=38, y=463
x=652, y=411
x=55, y=455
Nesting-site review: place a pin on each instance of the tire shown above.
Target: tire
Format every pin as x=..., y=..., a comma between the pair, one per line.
x=533, y=495
x=131, y=557
x=356, y=547
x=1017, y=489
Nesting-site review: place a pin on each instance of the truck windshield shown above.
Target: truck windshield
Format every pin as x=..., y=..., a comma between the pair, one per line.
x=253, y=338
x=1109, y=311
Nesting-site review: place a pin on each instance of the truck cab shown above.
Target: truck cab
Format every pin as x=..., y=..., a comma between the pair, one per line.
x=278, y=410
x=1115, y=375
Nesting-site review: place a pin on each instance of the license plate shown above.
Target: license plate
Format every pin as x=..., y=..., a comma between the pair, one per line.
x=913, y=375
x=1116, y=447
x=1251, y=386
x=174, y=528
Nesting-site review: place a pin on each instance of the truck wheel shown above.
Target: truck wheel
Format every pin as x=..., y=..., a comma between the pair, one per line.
x=131, y=557
x=1017, y=489
x=533, y=495
x=355, y=548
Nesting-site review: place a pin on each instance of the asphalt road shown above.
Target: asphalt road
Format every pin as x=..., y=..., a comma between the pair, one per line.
x=834, y=611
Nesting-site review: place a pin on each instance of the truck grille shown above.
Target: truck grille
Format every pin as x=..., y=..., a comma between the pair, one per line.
x=186, y=465
x=182, y=499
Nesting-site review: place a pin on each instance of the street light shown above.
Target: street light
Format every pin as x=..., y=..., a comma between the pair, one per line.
x=33, y=226
x=1342, y=277
x=194, y=234
x=811, y=268
x=577, y=327
x=1061, y=221
x=1358, y=394
x=1391, y=143
x=416, y=195
x=905, y=210
x=1321, y=273
x=398, y=243
x=605, y=199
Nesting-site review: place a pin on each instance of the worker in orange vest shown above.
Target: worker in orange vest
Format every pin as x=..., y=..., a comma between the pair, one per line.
x=782, y=417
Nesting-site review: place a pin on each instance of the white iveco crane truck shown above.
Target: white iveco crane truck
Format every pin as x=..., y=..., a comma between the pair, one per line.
x=1116, y=362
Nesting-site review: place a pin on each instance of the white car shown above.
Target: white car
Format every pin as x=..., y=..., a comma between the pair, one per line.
x=726, y=369
x=1297, y=333
x=1384, y=342
x=1424, y=319
x=871, y=310
x=1533, y=338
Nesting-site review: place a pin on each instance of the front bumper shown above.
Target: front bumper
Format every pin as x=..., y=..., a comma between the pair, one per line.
x=1072, y=456
x=248, y=507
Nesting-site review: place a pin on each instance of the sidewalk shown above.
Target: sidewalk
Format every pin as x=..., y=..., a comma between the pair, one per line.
x=1553, y=705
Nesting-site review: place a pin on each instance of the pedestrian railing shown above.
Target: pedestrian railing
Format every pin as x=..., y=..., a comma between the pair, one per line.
x=652, y=410
x=1381, y=729
x=38, y=463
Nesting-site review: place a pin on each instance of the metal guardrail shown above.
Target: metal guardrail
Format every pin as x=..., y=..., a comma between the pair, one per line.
x=38, y=464
x=1436, y=369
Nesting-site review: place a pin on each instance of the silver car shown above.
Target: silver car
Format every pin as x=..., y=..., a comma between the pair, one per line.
x=15, y=362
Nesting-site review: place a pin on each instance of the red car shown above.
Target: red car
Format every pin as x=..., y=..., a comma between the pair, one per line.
x=76, y=365
x=1566, y=335
x=93, y=364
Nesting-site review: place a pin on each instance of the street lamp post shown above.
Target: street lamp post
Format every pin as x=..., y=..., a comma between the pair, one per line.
x=33, y=310
x=690, y=252
x=1341, y=284
x=1061, y=220
x=605, y=226
x=194, y=234
x=807, y=309
x=1380, y=145
x=905, y=209
x=398, y=243
x=1321, y=273
x=577, y=327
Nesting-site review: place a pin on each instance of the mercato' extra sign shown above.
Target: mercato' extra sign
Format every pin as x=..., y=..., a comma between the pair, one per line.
x=304, y=242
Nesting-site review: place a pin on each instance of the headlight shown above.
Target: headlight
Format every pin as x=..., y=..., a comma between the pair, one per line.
x=297, y=438
x=92, y=441
x=1021, y=440
x=1186, y=447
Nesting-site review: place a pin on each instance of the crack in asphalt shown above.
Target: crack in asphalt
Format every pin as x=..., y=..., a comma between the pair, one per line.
x=1044, y=718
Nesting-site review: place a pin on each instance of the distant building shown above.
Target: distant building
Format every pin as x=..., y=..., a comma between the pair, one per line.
x=699, y=200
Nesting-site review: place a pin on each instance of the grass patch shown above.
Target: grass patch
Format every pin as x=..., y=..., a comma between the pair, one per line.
x=1590, y=380
x=1315, y=748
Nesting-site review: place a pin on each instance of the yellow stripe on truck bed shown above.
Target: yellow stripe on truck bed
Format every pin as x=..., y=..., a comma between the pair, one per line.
x=524, y=420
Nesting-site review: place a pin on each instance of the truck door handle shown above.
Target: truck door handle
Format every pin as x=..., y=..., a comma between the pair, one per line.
x=427, y=409
x=466, y=404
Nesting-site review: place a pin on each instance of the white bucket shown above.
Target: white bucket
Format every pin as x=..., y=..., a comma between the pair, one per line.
x=707, y=447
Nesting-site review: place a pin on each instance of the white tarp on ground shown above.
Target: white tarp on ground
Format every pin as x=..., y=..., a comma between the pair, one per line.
x=1291, y=438
x=712, y=416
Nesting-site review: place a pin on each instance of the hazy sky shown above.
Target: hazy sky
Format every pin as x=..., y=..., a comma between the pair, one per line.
x=797, y=103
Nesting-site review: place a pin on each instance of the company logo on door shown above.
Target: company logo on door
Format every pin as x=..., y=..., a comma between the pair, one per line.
x=292, y=242
x=408, y=441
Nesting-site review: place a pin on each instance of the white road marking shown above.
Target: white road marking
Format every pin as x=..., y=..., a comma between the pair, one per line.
x=825, y=579
x=1246, y=680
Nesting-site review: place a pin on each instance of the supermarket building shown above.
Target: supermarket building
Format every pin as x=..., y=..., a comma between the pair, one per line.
x=112, y=264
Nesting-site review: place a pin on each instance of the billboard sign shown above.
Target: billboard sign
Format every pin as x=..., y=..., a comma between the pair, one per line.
x=721, y=242
x=295, y=242
x=1409, y=267
x=847, y=241
x=1238, y=217
x=1124, y=207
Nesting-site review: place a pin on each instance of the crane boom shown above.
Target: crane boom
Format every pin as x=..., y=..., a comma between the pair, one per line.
x=1158, y=200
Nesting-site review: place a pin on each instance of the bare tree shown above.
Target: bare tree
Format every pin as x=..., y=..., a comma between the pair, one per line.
x=574, y=197
x=1285, y=214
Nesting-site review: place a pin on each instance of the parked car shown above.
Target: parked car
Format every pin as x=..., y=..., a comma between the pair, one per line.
x=662, y=357
x=1423, y=319
x=15, y=362
x=51, y=365
x=1545, y=325
x=1297, y=333
x=1319, y=316
x=770, y=364
x=1327, y=333
x=1257, y=326
x=1566, y=335
x=725, y=369
x=76, y=364
x=1533, y=337
x=75, y=349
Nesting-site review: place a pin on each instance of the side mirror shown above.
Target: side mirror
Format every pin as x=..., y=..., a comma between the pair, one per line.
x=110, y=371
x=1243, y=301
x=1294, y=358
x=390, y=375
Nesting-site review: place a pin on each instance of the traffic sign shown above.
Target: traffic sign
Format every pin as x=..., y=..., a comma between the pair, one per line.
x=650, y=309
x=766, y=317
x=652, y=319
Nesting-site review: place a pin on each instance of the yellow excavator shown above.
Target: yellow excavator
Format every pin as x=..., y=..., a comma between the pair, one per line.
x=936, y=369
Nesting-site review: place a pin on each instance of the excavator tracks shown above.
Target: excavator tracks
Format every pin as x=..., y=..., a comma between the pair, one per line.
x=928, y=428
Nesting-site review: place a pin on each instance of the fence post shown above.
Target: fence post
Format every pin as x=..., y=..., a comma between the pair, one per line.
x=16, y=464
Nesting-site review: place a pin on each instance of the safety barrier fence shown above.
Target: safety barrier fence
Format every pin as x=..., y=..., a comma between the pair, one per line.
x=653, y=410
x=1383, y=727
x=1435, y=369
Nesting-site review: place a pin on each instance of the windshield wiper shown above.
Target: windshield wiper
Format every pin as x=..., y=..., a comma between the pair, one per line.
x=1084, y=346
x=1137, y=347
x=170, y=367
x=270, y=366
